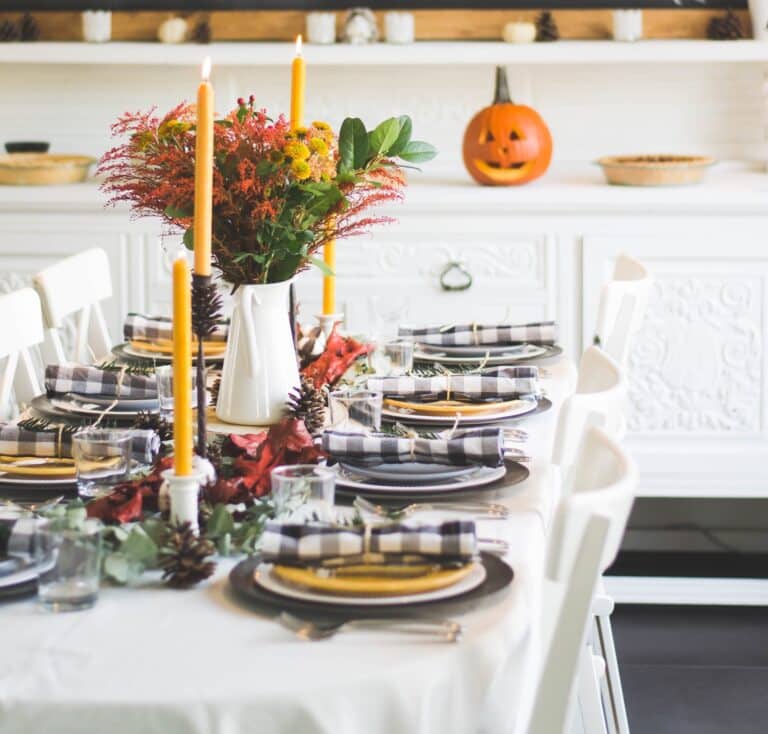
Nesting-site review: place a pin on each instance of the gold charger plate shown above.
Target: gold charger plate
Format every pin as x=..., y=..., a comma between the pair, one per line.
x=364, y=581
x=452, y=407
x=165, y=347
x=42, y=467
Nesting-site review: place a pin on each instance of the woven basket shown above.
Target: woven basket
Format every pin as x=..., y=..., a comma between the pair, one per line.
x=654, y=170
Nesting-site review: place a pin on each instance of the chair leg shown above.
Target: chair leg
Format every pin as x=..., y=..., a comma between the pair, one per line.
x=588, y=694
x=613, y=694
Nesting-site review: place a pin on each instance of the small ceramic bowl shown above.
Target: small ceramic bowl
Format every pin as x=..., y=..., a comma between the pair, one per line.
x=31, y=146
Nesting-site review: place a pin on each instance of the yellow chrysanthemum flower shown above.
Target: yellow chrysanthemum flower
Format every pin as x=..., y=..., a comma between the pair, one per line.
x=301, y=170
x=319, y=146
x=299, y=133
x=297, y=151
x=320, y=125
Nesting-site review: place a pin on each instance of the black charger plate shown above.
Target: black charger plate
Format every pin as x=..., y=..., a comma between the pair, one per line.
x=498, y=578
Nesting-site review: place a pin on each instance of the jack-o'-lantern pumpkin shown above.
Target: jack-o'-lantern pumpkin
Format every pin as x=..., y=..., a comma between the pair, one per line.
x=506, y=144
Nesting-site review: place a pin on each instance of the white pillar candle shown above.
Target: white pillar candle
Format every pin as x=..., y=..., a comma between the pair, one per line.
x=627, y=25
x=321, y=28
x=97, y=26
x=400, y=27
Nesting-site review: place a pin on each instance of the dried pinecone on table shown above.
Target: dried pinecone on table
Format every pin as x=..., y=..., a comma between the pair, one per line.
x=307, y=403
x=9, y=31
x=725, y=27
x=29, y=30
x=202, y=33
x=546, y=28
x=184, y=558
x=206, y=307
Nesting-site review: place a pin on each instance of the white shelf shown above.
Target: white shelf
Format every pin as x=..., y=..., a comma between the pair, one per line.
x=382, y=54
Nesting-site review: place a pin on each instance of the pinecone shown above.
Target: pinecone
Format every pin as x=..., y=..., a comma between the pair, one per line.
x=214, y=454
x=725, y=28
x=9, y=31
x=29, y=30
x=307, y=403
x=213, y=391
x=202, y=32
x=154, y=422
x=183, y=557
x=206, y=307
x=546, y=28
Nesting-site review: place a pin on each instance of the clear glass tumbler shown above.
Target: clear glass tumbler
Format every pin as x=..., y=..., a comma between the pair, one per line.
x=304, y=492
x=102, y=459
x=69, y=559
x=393, y=358
x=355, y=410
x=164, y=376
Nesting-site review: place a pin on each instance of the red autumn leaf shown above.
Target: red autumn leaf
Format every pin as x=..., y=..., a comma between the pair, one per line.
x=339, y=355
x=248, y=442
x=123, y=504
x=226, y=492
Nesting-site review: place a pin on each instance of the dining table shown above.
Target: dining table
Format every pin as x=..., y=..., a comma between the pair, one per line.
x=155, y=660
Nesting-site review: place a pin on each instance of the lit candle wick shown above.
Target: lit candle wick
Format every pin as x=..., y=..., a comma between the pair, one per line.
x=206, y=68
x=298, y=45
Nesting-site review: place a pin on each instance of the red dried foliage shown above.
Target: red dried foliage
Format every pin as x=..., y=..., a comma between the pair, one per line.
x=339, y=355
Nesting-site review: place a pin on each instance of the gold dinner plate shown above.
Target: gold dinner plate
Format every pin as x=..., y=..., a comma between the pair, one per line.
x=42, y=467
x=452, y=407
x=365, y=580
x=165, y=347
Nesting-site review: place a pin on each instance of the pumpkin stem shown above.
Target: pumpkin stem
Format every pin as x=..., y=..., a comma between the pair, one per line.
x=502, y=87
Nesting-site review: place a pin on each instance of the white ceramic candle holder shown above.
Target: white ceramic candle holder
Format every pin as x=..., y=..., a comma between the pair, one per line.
x=97, y=26
x=627, y=25
x=321, y=28
x=400, y=27
x=327, y=321
x=519, y=32
x=181, y=493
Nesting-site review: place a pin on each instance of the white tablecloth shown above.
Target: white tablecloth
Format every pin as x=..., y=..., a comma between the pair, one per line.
x=159, y=661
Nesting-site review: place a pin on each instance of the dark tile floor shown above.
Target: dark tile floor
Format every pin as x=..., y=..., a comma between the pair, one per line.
x=694, y=670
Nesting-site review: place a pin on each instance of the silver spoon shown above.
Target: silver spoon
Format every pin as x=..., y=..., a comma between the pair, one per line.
x=306, y=629
x=484, y=509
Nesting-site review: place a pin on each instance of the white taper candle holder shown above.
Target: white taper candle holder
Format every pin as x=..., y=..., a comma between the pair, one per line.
x=328, y=320
x=183, y=492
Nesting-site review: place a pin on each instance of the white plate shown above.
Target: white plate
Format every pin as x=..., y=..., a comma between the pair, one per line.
x=21, y=576
x=88, y=408
x=41, y=482
x=442, y=358
x=266, y=580
x=410, y=471
x=481, y=476
x=524, y=407
x=123, y=404
x=163, y=358
x=510, y=351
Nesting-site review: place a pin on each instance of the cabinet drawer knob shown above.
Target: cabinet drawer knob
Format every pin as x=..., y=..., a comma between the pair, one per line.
x=455, y=277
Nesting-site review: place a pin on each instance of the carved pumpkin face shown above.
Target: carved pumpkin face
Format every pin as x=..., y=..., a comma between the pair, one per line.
x=506, y=144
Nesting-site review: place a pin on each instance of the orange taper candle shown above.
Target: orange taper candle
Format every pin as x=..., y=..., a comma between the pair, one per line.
x=182, y=368
x=298, y=86
x=204, y=173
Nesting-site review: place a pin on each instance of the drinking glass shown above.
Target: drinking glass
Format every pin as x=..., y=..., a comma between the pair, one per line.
x=69, y=560
x=355, y=410
x=164, y=376
x=303, y=492
x=392, y=358
x=102, y=459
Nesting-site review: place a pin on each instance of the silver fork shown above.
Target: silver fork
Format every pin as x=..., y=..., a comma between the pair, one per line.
x=490, y=510
x=307, y=629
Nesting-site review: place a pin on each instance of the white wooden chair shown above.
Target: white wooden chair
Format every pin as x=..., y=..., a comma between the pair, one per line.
x=623, y=302
x=22, y=330
x=591, y=519
x=74, y=287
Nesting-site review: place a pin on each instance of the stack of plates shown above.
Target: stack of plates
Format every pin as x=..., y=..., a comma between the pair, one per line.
x=446, y=412
x=161, y=352
x=93, y=406
x=33, y=471
x=16, y=579
x=490, y=354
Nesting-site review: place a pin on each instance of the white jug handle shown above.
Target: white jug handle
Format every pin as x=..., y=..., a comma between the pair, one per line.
x=247, y=300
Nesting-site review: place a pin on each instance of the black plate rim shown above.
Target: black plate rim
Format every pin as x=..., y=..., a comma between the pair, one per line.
x=499, y=576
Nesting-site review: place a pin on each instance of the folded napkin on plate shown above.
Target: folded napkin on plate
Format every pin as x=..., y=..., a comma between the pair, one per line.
x=17, y=536
x=542, y=333
x=484, y=446
x=16, y=441
x=512, y=383
x=86, y=380
x=153, y=328
x=291, y=543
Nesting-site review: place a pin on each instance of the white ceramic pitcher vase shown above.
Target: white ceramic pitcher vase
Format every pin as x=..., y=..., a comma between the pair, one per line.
x=260, y=362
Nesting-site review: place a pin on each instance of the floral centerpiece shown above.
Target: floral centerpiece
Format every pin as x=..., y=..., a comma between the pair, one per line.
x=279, y=194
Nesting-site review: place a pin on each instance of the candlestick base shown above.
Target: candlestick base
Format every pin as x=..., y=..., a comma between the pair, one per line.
x=181, y=494
x=328, y=321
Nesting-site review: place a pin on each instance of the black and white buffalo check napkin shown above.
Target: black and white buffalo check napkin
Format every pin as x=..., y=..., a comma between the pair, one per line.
x=86, y=380
x=514, y=382
x=295, y=543
x=55, y=443
x=152, y=328
x=17, y=536
x=470, y=335
x=482, y=446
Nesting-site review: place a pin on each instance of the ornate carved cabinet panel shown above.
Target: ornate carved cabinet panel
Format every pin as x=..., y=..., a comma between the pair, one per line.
x=698, y=387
